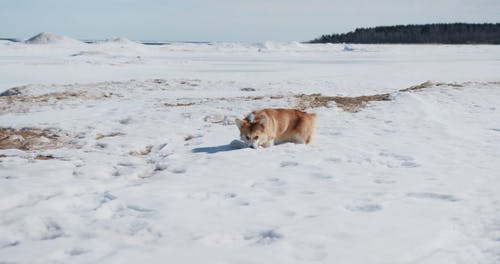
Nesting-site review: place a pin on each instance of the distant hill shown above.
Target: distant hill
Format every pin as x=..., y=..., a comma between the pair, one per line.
x=456, y=33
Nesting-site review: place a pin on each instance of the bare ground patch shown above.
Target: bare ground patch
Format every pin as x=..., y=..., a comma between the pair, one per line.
x=303, y=101
x=355, y=103
x=29, y=139
x=112, y=134
x=37, y=157
x=21, y=99
x=315, y=100
x=429, y=84
x=143, y=152
x=14, y=101
x=352, y=103
x=44, y=157
x=15, y=95
x=346, y=103
x=179, y=104
x=184, y=102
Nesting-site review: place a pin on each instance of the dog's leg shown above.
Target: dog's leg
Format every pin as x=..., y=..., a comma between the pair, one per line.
x=308, y=140
x=299, y=140
x=268, y=144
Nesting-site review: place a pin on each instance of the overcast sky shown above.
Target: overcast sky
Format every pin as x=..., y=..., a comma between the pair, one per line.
x=228, y=20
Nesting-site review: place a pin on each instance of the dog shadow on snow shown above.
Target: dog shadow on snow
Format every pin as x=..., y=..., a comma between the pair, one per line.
x=212, y=150
x=222, y=148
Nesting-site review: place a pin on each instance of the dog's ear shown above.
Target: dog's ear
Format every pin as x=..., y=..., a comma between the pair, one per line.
x=263, y=121
x=250, y=118
x=239, y=123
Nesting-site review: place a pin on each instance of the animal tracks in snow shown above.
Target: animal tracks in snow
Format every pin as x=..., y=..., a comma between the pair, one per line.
x=155, y=170
x=434, y=196
x=365, y=208
x=392, y=160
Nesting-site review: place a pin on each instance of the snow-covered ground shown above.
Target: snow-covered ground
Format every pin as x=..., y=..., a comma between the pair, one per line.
x=142, y=170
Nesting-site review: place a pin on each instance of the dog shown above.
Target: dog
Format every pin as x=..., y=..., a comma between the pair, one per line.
x=267, y=127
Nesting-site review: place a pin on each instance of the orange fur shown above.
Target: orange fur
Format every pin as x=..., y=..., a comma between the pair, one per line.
x=267, y=127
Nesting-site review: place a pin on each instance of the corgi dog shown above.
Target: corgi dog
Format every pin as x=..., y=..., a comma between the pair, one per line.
x=266, y=127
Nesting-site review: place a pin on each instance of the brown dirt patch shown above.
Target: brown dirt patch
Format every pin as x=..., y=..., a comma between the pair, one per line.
x=15, y=100
x=456, y=85
x=43, y=97
x=22, y=103
x=421, y=86
x=304, y=101
x=113, y=134
x=225, y=99
x=45, y=157
x=179, y=104
x=350, y=104
x=142, y=152
x=346, y=103
x=429, y=84
x=28, y=139
x=355, y=103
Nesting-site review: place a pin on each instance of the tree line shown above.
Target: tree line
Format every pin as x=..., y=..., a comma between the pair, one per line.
x=454, y=33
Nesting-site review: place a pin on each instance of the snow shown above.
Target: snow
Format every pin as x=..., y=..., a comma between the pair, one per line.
x=51, y=38
x=150, y=169
x=121, y=40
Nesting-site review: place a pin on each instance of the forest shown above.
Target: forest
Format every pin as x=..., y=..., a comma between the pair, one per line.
x=452, y=33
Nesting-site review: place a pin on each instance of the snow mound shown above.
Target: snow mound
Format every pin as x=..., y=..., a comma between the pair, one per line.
x=267, y=47
x=51, y=38
x=280, y=46
x=120, y=40
x=88, y=53
x=348, y=48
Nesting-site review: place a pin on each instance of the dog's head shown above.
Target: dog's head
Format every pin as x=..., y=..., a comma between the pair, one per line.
x=252, y=130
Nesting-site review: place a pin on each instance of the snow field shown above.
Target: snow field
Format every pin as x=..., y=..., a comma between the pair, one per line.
x=147, y=172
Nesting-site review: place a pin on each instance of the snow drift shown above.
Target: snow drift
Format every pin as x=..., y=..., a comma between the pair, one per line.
x=51, y=38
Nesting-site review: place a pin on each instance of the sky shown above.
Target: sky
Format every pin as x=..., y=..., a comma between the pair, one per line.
x=228, y=20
